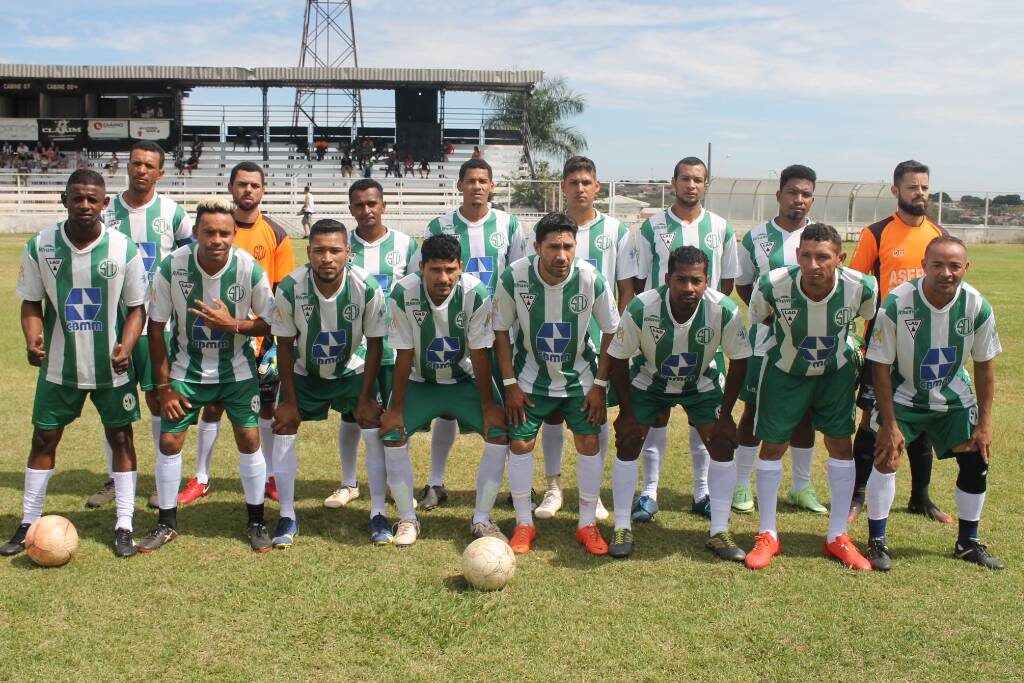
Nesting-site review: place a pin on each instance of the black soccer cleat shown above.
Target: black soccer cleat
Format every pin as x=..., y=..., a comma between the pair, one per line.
x=158, y=537
x=124, y=543
x=17, y=543
x=259, y=538
x=878, y=555
x=431, y=497
x=975, y=551
x=725, y=548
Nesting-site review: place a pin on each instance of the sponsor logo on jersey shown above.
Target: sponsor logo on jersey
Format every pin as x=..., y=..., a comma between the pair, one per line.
x=108, y=269
x=113, y=223
x=678, y=365
x=82, y=309
x=578, y=303
x=307, y=311
x=913, y=325
x=128, y=402
x=704, y=335
x=328, y=347
x=205, y=338
x=964, y=327
x=384, y=280
x=843, y=316
x=603, y=242
x=481, y=267
x=552, y=342
x=712, y=241
x=789, y=314
x=350, y=312
x=161, y=225
x=591, y=261
x=54, y=264
x=657, y=333
x=767, y=248
x=497, y=240
x=528, y=299
x=460, y=320
x=149, y=251
x=186, y=288
x=419, y=315
x=442, y=352
x=394, y=258
x=899, y=251
x=817, y=350
x=236, y=293
x=667, y=239
x=260, y=252
x=937, y=366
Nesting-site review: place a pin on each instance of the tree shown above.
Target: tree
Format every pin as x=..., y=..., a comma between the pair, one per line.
x=934, y=197
x=550, y=105
x=1006, y=200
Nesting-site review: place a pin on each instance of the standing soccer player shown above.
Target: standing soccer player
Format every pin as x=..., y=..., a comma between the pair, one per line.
x=93, y=284
x=807, y=368
x=924, y=333
x=685, y=223
x=441, y=328
x=550, y=299
x=491, y=240
x=218, y=298
x=324, y=311
x=678, y=329
x=607, y=245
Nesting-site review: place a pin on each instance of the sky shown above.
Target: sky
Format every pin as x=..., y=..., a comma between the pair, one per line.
x=849, y=89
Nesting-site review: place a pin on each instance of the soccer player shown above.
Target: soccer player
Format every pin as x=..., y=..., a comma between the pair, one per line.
x=266, y=241
x=807, y=368
x=157, y=225
x=385, y=254
x=324, y=311
x=767, y=246
x=677, y=329
x=606, y=244
x=441, y=328
x=550, y=299
x=924, y=333
x=685, y=223
x=218, y=297
x=892, y=250
x=93, y=284
x=491, y=240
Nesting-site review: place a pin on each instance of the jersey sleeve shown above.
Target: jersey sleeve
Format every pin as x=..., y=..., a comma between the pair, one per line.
x=644, y=252
x=745, y=261
x=869, y=297
x=626, y=341
x=504, y=304
x=759, y=307
x=411, y=251
x=735, y=342
x=136, y=282
x=604, y=311
x=730, y=260
x=160, y=304
x=401, y=334
x=374, y=323
x=626, y=265
x=882, y=345
x=284, y=310
x=30, y=280
x=986, y=339
x=182, y=226
x=479, y=333
x=866, y=254
x=262, y=296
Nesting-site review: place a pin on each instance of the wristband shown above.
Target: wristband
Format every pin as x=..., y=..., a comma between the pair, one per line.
x=161, y=386
x=509, y=381
x=603, y=383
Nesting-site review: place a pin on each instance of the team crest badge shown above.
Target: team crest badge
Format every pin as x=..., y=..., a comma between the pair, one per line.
x=603, y=242
x=128, y=402
x=161, y=226
x=789, y=314
x=964, y=327
x=657, y=333
x=497, y=240
x=236, y=293
x=254, y=404
x=712, y=241
x=107, y=269
x=186, y=288
x=307, y=311
x=704, y=335
x=113, y=223
x=913, y=325
x=843, y=316
x=419, y=315
x=350, y=312
x=667, y=239
x=767, y=248
x=393, y=258
x=578, y=303
x=460, y=320
x=528, y=299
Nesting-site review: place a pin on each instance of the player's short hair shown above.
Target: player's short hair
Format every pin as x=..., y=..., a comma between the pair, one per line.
x=687, y=256
x=908, y=166
x=798, y=171
x=945, y=239
x=326, y=226
x=822, y=232
x=689, y=161
x=246, y=167
x=577, y=164
x=362, y=185
x=148, y=146
x=213, y=204
x=475, y=163
x=441, y=247
x=556, y=221
x=86, y=176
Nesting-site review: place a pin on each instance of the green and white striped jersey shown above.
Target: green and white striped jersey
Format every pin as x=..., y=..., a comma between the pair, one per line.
x=663, y=233
x=764, y=248
x=388, y=260
x=928, y=347
x=328, y=330
x=488, y=246
x=441, y=337
x=85, y=293
x=198, y=353
x=679, y=357
x=607, y=244
x=551, y=352
x=810, y=337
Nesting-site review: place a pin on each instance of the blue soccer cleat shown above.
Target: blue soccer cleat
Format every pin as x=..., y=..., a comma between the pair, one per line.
x=644, y=509
x=284, y=535
x=380, y=530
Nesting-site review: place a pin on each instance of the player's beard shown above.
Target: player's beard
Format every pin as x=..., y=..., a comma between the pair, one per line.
x=912, y=209
x=688, y=203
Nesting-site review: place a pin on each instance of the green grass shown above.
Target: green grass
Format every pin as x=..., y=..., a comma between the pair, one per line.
x=333, y=607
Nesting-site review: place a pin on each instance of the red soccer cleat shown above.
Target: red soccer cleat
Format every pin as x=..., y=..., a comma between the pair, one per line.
x=589, y=537
x=270, y=491
x=193, y=491
x=765, y=548
x=522, y=539
x=843, y=550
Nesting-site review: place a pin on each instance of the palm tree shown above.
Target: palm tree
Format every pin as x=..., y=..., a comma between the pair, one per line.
x=550, y=105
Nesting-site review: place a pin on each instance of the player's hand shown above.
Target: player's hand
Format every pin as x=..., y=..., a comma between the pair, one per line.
x=36, y=351
x=494, y=418
x=368, y=413
x=595, y=405
x=981, y=440
x=515, y=405
x=392, y=421
x=215, y=316
x=725, y=429
x=629, y=433
x=171, y=402
x=286, y=418
x=889, y=444
x=120, y=359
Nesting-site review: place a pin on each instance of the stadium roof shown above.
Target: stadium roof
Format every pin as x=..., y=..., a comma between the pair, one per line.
x=285, y=76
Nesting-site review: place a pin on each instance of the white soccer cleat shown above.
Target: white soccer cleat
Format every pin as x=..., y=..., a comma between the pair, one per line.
x=552, y=501
x=341, y=497
x=601, y=512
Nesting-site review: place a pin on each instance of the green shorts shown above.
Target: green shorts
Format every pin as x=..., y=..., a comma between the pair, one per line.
x=544, y=406
x=385, y=380
x=56, y=406
x=241, y=401
x=748, y=393
x=701, y=408
x=784, y=399
x=141, y=363
x=946, y=430
x=316, y=395
x=426, y=401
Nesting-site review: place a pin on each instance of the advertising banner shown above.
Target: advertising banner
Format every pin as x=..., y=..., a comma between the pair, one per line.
x=15, y=130
x=68, y=132
x=107, y=129
x=150, y=129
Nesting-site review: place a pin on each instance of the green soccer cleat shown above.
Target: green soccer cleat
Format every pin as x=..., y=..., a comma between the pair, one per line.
x=743, y=498
x=807, y=499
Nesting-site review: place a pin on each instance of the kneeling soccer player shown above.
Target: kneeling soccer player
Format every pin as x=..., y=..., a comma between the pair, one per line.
x=324, y=309
x=441, y=331
x=924, y=333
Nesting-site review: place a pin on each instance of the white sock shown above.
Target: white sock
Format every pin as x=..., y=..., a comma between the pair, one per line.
x=376, y=471
x=701, y=458
x=769, y=476
x=399, y=473
x=841, y=476
x=267, y=445
x=124, y=499
x=36, y=482
x=252, y=468
x=721, y=482
x=442, y=438
x=154, y=429
x=552, y=440
x=286, y=469
x=969, y=505
x=745, y=457
x=489, y=474
x=168, y=480
x=206, y=438
x=348, y=450
x=520, y=477
x=801, y=467
x=588, y=478
x=108, y=453
x=653, y=450
x=624, y=476
x=602, y=445
x=880, y=493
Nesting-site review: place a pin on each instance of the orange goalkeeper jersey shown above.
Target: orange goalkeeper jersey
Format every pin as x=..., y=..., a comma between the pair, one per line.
x=269, y=244
x=892, y=251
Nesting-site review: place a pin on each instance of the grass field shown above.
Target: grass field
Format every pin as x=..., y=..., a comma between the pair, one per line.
x=334, y=607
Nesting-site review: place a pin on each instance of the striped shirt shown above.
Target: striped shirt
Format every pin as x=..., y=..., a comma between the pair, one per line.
x=663, y=233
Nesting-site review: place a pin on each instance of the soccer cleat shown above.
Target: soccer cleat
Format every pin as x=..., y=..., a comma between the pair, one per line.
x=160, y=535
x=856, y=506
x=589, y=537
x=341, y=497
x=722, y=545
x=533, y=500
x=193, y=491
x=929, y=509
x=765, y=548
x=975, y=551
x=743, y=498
x=600, y=512
x=550, y=504
x=154, y=501
x=406, y=533
x=431, y=497
x=807, y=499
x=380, y=530
x=17, y=542
x=878, y=555
x=622, y=543
x=487, y=529
x=270, y=490
x=259, y=538
x=522, y=539
x=103, y=496
x=843, y=550
x=644, y=509
x=284, y=535
x=702, y=507
x=124, y=543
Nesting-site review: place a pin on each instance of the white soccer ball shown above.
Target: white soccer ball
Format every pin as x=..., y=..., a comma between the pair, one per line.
x=51, y=541
x=488, y=564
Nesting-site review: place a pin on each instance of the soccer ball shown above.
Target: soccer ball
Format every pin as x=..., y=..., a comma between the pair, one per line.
x=51, y=541
x=488, y=563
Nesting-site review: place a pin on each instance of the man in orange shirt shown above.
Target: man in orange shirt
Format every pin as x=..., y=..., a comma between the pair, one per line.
x=892, y=250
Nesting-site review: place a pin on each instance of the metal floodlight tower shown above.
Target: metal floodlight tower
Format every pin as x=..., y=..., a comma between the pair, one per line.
x=328, y=40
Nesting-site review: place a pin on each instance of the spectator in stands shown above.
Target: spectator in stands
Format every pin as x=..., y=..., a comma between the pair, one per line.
x=192, y=164
x=447, y=149
x=23, y=151
x=424, y=168
x=21, y=167
x=392, y=165
x=197, y=148
x=240, y=138
x=112, y=165
x=477, y=154
x=302, y=147
x=409, y=166
x=40, y=149
x=366, y=153
x=346, y=166
x=179, y=162
x=307, y=212
x=321, y=145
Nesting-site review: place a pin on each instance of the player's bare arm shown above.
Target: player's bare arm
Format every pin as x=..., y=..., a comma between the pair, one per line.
x=725, y=428
x=985, y=386
x=32, y=328
x=626, y=290
x=121, y=357
x=515, y=399
x=629, y=433
x=595, y=404
x=171, y=401
x=889, y=442
x=368, y=409
x=217, y=317
x=493, y=414
x=286, y=414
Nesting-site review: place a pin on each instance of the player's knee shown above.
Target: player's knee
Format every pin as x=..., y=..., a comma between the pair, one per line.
x=839, y=448
x=45, y=440
x=661, y=419
x=497, y=440
x=771, y=451
x=587, y=444
x=247, y=439
x=212, y=412
x=153, y=402
x=519, y=447
x=973, y=476
x=171, y=442
x=555, y=418
x=396, y=444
